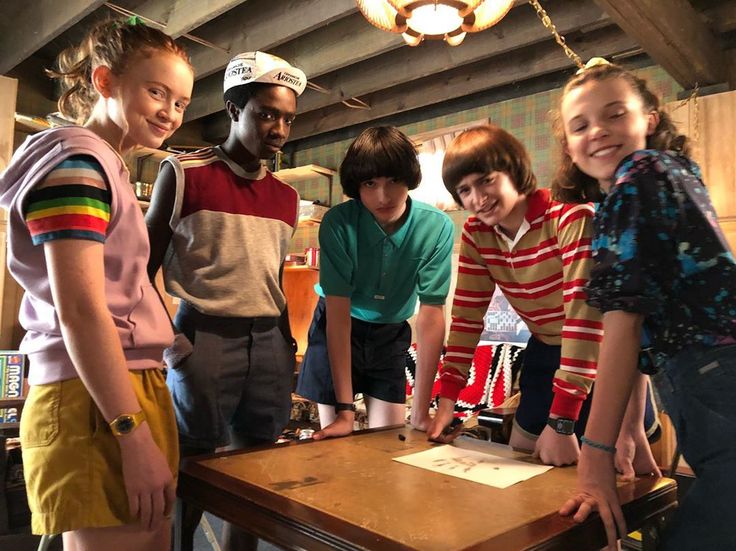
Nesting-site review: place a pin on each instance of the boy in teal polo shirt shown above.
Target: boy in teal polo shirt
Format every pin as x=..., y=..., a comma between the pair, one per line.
x=379, y=252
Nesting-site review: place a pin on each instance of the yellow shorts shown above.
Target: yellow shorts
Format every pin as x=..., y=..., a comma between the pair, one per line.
x=71, y=460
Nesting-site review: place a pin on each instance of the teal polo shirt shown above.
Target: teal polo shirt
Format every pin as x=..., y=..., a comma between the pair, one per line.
x=383, y=275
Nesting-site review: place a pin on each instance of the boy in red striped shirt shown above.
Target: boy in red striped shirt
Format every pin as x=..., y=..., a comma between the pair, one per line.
x=538, y=252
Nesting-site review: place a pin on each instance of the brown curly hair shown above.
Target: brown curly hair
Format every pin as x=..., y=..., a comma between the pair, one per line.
x=571, y=185
x=111, y=43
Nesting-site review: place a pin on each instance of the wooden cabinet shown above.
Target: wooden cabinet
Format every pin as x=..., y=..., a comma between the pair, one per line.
x=298, y=283
x=10, y=291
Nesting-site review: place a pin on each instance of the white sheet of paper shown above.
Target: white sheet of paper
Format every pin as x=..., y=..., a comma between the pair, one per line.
x=475, y=466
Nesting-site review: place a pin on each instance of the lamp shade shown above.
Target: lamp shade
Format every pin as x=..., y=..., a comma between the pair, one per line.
x=382, y=15
x=434, y=19
x=487, y=14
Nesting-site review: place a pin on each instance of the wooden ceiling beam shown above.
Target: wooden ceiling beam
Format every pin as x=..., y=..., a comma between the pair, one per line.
x=519, y=29
x=338, y=45
x=722, y=17
x=182, y=16
x=491, y=73
x=262, y=25
x=34, y=24
x=675, y=37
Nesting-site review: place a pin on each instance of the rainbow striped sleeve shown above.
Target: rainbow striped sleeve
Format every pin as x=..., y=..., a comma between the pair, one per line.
x=71, y=205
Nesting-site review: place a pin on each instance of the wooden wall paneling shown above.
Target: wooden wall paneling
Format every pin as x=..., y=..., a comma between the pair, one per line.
x=10, y=291
x=711, y=123
x=8, y=93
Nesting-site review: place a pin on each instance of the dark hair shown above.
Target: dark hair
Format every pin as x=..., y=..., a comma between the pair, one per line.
x=241, y=95
x=485, y=149
x=381, y=151
x=571, y=185
x=110, y=43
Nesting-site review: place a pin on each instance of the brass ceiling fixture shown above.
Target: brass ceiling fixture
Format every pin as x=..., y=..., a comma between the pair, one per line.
x=447, y=20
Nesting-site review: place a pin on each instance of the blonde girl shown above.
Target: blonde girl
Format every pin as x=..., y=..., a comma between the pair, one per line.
x=98, y=430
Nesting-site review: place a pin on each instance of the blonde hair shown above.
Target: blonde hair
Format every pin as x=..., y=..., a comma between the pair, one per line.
x=112, y=44
x=571, y=185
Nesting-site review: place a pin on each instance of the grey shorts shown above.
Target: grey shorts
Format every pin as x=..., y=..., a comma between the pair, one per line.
x=239, y=377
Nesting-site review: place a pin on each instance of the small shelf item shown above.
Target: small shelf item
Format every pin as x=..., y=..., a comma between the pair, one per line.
x=311, y=212
x=30, y=124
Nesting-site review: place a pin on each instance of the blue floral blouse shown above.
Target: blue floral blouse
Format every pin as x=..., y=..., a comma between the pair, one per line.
x=660, y=252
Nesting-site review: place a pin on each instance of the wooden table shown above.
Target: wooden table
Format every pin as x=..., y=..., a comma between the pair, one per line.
x=347, y=493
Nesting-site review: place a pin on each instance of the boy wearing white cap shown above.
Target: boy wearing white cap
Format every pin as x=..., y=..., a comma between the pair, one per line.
x=220, y=225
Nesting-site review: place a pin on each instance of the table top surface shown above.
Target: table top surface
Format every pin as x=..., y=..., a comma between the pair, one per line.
x=351, y=489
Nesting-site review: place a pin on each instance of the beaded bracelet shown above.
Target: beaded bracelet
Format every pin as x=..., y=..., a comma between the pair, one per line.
x=597, y=445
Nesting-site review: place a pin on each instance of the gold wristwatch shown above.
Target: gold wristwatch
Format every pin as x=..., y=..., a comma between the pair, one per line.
x=126, y=423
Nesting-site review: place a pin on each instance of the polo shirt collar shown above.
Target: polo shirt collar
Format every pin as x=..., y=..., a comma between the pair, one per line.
x=373, y=232
x=536, y=204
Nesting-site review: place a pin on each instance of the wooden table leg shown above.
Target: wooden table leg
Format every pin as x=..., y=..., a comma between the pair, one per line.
x=651, y=531
x=181, y=542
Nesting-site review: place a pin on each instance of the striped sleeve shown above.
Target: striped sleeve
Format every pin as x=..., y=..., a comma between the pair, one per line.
x=472, y=296
x=72, y=202
x=582, y=328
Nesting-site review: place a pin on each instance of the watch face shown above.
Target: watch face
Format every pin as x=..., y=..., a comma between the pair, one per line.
x=125, y=424
x=563, y=426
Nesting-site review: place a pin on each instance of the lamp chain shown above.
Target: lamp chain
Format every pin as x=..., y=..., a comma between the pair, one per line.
x=547, y=22
x=696, y=129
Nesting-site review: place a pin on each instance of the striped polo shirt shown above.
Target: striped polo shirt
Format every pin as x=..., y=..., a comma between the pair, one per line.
x=542, y=273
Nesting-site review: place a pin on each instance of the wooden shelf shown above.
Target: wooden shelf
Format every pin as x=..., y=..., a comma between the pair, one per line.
x=298, y=268
x=306, y=172
x=11, y=402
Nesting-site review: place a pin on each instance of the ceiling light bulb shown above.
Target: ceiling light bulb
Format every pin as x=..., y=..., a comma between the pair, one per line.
x=434, y=19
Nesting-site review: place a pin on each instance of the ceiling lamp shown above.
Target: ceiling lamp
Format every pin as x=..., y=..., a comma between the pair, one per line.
x=447, y=20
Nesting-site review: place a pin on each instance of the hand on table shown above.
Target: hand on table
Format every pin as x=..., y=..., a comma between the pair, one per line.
x=596, y=491
x=420, y=421
x=634, y=455
x=341, y=426
x=437, y=429
x=556, y=449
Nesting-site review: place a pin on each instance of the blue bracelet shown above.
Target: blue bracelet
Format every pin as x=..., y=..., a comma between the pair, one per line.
x=597, y=445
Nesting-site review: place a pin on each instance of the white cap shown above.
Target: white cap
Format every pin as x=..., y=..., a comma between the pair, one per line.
x=262, y=67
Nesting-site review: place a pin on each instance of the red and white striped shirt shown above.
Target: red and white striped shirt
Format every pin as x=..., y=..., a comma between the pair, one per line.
x=542, y=274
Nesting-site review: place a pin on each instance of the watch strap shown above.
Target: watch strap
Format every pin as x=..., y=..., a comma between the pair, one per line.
x=562, y=425
x=344, y=406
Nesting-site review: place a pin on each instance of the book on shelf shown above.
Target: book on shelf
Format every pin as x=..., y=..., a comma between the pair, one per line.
x=12, y=382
